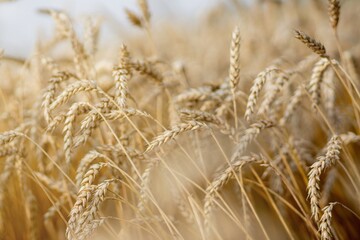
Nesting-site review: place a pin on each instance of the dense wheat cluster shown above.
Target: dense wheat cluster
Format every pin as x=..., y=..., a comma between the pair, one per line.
x=245, y=125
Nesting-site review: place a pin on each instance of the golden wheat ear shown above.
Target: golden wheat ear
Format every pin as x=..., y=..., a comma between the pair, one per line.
x=311, y=43
x=334, y=12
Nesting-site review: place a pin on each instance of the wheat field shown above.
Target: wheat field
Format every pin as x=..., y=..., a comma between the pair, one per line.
x=245, y=125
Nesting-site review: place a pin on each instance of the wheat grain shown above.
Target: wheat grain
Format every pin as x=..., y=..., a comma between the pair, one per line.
x=90, y=228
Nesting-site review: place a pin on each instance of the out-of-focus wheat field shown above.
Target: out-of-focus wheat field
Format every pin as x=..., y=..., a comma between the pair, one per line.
x=240, y=123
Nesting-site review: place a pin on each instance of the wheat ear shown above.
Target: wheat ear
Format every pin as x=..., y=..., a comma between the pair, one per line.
x=325, y=222
x=89, y=214
x=221, y=177
x=71, y=90
x=146, y=68
x=83, y=196
x=311, y=43
x=75, y=109
x=173, y=132
x=270, y=96
x=255, y=91
x=332, y=155
x=144, y=7
x=122, y=76
x=248, y=136
x=334, y=12
x=234, y=72
x=292, y=105
x=316, y=80
x=143, y=199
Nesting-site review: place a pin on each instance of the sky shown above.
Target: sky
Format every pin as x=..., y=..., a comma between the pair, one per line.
x=21, y=24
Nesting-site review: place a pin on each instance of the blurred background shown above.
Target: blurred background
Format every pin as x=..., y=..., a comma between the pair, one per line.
x=21, y=23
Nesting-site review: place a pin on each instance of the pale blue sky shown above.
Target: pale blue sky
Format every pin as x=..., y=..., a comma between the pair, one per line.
x=21, y=24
